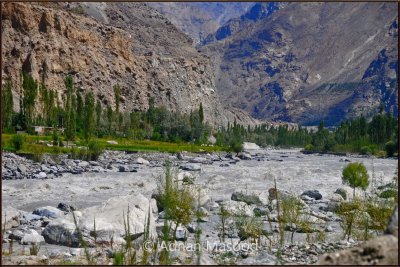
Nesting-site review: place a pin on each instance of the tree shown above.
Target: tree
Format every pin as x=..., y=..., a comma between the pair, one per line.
x=355, y=174
x=70, y=121
x=79, y=112
x=201, y=113
x=88, y=119
x=29, y=86
x=6, y=106
x=109, y=118
x=117, y=94
x=98, y=114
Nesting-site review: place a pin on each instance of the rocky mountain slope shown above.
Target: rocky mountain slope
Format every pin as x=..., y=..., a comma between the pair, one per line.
x=102, y=45
x=304, y=62
x=200, y=19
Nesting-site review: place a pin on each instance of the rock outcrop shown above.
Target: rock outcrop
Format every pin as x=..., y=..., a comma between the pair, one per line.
x=129, y=44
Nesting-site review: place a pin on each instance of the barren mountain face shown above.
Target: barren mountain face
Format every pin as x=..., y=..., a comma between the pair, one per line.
x=309, y=61
x=128, y=44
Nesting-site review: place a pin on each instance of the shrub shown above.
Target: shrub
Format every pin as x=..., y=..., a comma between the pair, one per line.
x=390, y=148
x=355, y=174
x=365, y=150
x=17, y=141
x=94, y=150
x=388, y=193
x=381, y=154
x=309, y=147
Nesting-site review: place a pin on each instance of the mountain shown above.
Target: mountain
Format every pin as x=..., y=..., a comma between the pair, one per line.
x=303, y=62
x=105, y=44
x=200, y=19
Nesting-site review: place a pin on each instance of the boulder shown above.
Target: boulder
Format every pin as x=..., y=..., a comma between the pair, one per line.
x=248, y=199
x=381, y=250
x=10, y=217
x=244, y=156
x=393, y=225
x=250, y=146
x=83, y=164
x=48, y=211
x=22, y=168
x=41, y=175
x=62, y=231
x=190, y=167
x=198, y=160
x=65, y=207
x=237, y=207
x=112, y=142
x=342, y=192
x=16, y=235
x=315, y=194
x=110, y=218
x=181, y=233
x=123, y=168
x=142, y=161
x=32, y=237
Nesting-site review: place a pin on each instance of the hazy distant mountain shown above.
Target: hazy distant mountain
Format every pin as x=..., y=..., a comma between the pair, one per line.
x=309, y=61
x=200, y=19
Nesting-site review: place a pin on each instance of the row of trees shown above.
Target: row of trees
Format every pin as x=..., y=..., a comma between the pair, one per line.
x=81, y=116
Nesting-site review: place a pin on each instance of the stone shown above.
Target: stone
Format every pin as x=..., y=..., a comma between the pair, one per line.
x=41, y=175
x=83, y=164
x=198, y=160
x=250, y=146
x=32, y=237
x=123, y=168
x=48, y=211
x=248, y=199
x=181, y=233
x=393, y=224
x=258, y=212
x=381, y=250
x=315, y=194
x=190, y=167
x=142, y=161
x=22, y=168
x=45, y=169
x=65, y=207
x=10, y=217
x=244, y=156
x=237, y=207
x=112, y=142
x=342, y=192
x=16, y=235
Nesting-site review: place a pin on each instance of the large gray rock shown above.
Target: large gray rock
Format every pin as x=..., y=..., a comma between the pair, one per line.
x=181, y=233
x=342, y=192
x=198, y=160
x=10, y=217
x=48, y=211
x=110, y=217
x=62, y=231
x=83, y=164
x=315, y=194
x=32, y=237
x=248, y=199
x=142, y=161
x=250, y=146
x=190, y=167
x=236, y=207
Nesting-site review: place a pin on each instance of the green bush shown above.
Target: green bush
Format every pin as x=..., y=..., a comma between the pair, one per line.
x=94, y=150
x=365, y=150
x=355, y=174
x=388, y=193
x=309, y=147
x=390, y=148
x=380, y=154
x=17, y=141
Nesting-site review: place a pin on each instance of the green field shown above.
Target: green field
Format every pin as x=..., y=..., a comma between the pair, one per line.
x=34, y=144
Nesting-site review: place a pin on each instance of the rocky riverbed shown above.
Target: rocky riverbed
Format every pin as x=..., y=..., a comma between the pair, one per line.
x=39, y=198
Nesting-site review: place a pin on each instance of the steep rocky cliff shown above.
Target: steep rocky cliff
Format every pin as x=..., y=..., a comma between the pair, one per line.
x=304, y=62
x=128, y=44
